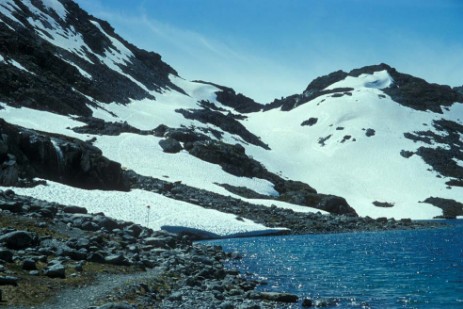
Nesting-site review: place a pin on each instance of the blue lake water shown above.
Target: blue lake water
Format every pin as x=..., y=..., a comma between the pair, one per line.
x=395, y=269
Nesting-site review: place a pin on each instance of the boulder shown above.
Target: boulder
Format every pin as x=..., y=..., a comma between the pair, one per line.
x=29, y=264
x=13, y=206
x=170, y=145
x=19, y=239
x=6, y=255
x=55, y=270
x=336, y=205
x=75, y=210
x=105, y=222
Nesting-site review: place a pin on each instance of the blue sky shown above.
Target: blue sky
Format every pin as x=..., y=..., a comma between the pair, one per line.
x=272, y=48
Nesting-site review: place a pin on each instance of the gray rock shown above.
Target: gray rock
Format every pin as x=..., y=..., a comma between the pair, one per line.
x=55, y=270
x=19, y=239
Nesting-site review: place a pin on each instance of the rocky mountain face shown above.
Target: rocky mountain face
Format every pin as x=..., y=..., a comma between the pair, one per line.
x=64, y=77
x=55, y=57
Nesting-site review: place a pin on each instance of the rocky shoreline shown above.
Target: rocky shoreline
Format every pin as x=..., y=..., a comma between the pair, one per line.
x=47, y=249
x=54, y=255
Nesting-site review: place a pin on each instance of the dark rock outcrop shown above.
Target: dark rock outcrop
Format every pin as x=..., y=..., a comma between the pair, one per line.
x=170, y=145
x=442, y=159
x=226, y=123
x=101, y=127
x=450, y=208
x=370, y=132
x=414, y=92
x=309, y=122
x=60, y=159
x=228, y=97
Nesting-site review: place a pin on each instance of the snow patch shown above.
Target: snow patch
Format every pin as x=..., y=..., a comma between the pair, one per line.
x=377, y=80
x=40, y=120
x=163, y=212
x=122, y=54
x=56, y=6
x=19, y=66
x=81, y=71
x=144, y=155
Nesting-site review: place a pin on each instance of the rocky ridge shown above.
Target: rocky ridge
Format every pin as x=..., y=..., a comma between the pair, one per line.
x=50, y=79
x=406, y=90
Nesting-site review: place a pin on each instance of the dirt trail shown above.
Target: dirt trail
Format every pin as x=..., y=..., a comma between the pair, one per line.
x=87, y=296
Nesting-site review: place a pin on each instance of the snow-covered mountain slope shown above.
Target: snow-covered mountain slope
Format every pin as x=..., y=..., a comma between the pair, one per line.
x=359, y=144
x=83, y=107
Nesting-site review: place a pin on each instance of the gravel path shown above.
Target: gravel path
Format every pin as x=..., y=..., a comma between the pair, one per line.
x=85, y=297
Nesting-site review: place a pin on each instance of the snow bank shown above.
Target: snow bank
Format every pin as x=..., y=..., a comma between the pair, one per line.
x=163, y=212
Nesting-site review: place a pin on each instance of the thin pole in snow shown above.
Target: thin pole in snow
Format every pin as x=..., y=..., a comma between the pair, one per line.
x=148, y=208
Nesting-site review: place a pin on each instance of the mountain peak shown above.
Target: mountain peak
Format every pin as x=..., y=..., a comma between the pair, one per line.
x=404, y=89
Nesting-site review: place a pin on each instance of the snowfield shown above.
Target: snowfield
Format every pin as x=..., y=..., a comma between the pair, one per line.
x=350, y=164
x=163, y=213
